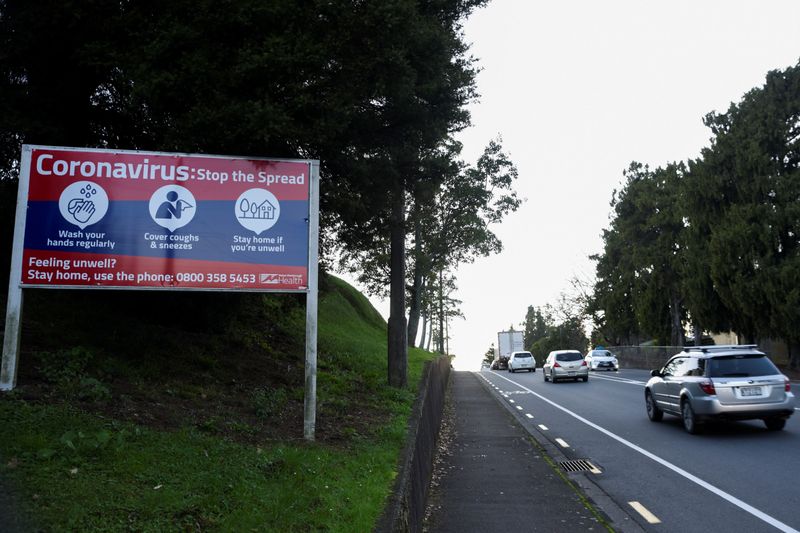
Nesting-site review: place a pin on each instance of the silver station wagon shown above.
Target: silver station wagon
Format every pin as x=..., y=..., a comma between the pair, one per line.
x=720, y=382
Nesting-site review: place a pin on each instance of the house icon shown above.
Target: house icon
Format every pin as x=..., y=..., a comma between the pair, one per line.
x=265, y=210
x=259, y=211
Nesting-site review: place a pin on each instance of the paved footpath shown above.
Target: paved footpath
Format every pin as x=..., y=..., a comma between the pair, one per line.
x=495, y=478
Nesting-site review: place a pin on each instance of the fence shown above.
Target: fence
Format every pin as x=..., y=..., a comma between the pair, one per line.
x=646, y=357
x=651, y=357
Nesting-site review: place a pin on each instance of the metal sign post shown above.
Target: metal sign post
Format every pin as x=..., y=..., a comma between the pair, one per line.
x=12, y=335
x=310, y=398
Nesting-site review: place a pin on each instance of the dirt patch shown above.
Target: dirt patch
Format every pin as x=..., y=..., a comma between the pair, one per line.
x=253, y=401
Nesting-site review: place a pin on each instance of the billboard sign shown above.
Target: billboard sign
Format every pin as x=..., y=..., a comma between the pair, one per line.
x=125, y=219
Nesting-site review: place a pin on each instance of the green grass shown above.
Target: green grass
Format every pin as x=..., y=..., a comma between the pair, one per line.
x=79, y=469
x=145, y=480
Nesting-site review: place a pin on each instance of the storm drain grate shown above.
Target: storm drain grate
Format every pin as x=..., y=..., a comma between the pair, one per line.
x=579, y=465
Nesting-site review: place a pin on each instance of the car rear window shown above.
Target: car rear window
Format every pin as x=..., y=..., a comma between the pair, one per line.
x=523, y=355
x=573, y=356
x=741, y=366
x=601, y=354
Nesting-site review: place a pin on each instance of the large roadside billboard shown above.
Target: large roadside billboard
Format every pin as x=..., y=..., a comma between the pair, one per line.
x=125, y=219
x=94, y=218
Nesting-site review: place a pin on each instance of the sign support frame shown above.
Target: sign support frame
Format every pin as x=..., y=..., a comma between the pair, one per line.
x=13, y=334
x=310, y=396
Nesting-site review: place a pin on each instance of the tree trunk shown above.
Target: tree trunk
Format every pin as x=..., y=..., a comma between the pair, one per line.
x=424, y=330
x=441, y=315
x=398, y=347
x=697, y=333
x=677, y=336
x=430, y=335
x=417, y=288
x=447, y=337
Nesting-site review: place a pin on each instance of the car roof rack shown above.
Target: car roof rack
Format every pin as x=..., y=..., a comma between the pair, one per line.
x=719, y=347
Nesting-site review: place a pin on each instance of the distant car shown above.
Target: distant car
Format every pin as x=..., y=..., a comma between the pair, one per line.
x=720, y=382
x=501, y=363
x=565, y=364
x=601, y=360
x=521, y=361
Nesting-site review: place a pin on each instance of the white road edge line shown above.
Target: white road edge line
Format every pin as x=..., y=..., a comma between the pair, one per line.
x=529, y=415
x=647, y=515
x=620, y=380
x=774, y=522
x=562, y=443
x=519, y=407
x=542, y=427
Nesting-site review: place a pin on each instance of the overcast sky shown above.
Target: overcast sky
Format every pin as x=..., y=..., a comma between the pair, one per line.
x=579, y=89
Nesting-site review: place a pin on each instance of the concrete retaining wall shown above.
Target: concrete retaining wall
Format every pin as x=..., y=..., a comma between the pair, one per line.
x=405, y=508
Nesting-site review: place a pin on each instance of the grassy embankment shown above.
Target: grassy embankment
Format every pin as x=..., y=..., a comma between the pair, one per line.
x=162, y=412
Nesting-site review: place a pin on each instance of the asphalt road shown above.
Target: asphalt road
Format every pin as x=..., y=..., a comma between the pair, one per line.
x=733, y=477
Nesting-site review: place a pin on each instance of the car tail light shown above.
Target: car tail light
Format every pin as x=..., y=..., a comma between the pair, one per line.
x=556, y=365
x=708, y=386
x=583, y=363
x=787, y=385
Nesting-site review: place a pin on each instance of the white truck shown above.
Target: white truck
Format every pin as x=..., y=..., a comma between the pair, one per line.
x=507, y=343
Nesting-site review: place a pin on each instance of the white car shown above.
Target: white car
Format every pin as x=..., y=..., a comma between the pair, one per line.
x=521, y=361
x=601, y=360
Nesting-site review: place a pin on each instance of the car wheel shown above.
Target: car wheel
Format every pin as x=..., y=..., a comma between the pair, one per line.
x=532, y=370
x=689, y=419
x=544, y=376
x=586, y=379
x=775, y=424
x=653, y=412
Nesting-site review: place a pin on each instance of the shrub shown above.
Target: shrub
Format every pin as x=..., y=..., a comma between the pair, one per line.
x=64, y=366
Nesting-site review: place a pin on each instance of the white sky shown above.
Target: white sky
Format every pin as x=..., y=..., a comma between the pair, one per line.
x=578, y=89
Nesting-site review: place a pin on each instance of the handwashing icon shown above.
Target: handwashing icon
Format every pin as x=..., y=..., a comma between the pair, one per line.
x=83, y=203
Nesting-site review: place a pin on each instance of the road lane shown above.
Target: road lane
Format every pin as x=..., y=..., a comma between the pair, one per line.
x=751, y=467
x=628, y=476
